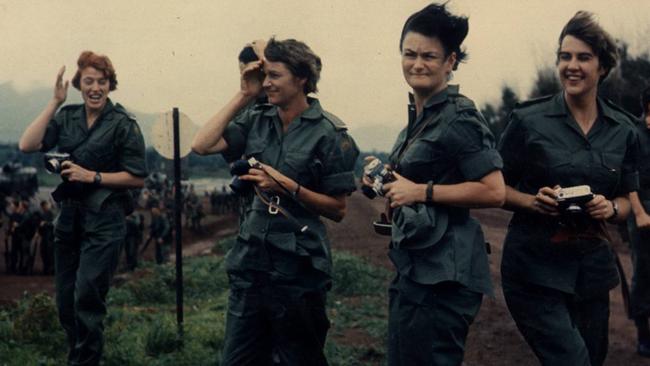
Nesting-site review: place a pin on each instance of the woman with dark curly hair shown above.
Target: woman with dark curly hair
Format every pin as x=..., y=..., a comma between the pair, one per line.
x=444, y=162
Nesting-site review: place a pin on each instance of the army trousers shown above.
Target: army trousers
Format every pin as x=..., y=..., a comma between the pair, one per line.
x=428, y=324
x=640, y=291
x=561, y=328
x=87, y=247
x=268, y=326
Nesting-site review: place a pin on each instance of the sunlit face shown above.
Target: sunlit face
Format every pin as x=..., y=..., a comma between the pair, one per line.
x=94, y=88
x=578, y=68
x=280, y=85
x=425, y=67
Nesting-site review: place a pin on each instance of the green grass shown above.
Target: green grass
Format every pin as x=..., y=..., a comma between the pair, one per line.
x=140, y=328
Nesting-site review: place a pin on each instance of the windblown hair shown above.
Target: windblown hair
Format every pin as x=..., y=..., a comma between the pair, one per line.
x=299, y=59
x=247, y=55
x=436, y=21
x=99, y=62
x=584, y=27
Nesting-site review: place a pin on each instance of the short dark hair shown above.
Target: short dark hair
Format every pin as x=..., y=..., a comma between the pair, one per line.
x=247, y=54
x=645, y=100
x=299, y=59
x=101, y=63
x=584, y=27
x=436, y=21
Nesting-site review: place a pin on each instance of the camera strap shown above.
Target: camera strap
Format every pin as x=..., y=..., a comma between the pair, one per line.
x=273, y=204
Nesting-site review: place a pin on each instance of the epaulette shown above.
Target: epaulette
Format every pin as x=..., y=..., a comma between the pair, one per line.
x=632, y=119
x=121, y=110
x=463, y=103
x=335, y=121
x=531, y=102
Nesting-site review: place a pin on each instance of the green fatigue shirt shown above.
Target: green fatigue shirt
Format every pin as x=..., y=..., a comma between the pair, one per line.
x=544, y=146
x=644, y=163
x=316, y=152
x=114, y=143
x=436, y=243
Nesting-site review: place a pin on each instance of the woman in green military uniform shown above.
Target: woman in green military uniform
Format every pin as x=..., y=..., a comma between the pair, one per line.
x=106, y=158
x=279, y=272
x=558, y=266
x=445, y=162
x=638, y=226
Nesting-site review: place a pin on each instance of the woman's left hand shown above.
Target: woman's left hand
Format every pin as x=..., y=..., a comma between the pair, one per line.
x=262, y=178
x=75, y=173
x=600, y=208
x=403, y=192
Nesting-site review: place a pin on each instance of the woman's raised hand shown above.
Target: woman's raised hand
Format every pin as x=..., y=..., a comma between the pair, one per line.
x=60, y=88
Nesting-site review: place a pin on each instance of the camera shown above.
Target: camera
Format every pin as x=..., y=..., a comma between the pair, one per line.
x=54, y=160
x=241, y=167
x=573, y=199
x=379, y=175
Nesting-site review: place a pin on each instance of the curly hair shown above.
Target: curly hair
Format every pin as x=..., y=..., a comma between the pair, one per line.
x=299, y=59
x=584, y=27
x=99, y=62
x=436, y=21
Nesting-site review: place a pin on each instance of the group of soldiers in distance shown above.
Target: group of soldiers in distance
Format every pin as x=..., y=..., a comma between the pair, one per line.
x=29, y=231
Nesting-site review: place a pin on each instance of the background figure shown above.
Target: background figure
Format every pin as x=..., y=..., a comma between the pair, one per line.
x=639, y=234
x=558, y=265
x=160, y=232
x=132, y=240
x=279, y=274
x=105, y=158
x=444, y=162
x=46, y=237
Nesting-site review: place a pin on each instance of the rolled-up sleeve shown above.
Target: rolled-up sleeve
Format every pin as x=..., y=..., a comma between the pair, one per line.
x=473, y=147
x=132, y=156
x=341, y=154
x=511, y=148
x=235, y=135
x=629, y=171
x=51, y=136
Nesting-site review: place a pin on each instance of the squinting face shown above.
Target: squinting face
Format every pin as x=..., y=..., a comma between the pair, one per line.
x=94, y=88
x=578, y=67
x=280, y=85
x=425, y=67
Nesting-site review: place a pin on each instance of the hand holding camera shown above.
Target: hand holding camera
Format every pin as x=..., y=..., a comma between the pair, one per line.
x=375, y=175
x=63, y=164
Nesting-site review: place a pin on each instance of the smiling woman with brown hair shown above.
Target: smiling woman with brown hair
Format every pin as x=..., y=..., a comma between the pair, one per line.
x=558, y=266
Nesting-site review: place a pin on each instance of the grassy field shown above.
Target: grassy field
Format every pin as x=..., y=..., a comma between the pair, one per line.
x=141, y=324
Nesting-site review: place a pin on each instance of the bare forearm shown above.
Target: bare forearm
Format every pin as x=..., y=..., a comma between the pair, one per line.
x=32, y=138
x=333, y=208
x=624, y=208
x=516, y=200
x=488, y=192
x=635, y=204
x=209, y=138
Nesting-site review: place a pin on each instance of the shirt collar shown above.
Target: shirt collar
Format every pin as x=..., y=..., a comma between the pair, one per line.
x=558, y=108
x=313, y=112
x=438, y=98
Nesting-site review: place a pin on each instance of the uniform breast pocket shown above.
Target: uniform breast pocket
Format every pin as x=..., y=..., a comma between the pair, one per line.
x=421, y=161
x=303, y=167
x=98, y=156
x=609, y=170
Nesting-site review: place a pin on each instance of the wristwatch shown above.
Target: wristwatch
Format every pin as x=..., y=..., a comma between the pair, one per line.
x=615, y=208
x=429, y=192
x=97, y=180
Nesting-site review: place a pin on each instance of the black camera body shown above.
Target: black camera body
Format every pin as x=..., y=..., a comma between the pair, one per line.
x=379, y=175
x=572, y=199
x=241, y=167
x=54, y=160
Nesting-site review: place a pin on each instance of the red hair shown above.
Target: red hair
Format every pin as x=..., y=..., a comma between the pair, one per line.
x=99, y=62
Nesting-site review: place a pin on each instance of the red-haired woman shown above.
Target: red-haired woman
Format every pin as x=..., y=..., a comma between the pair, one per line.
x=106, y=158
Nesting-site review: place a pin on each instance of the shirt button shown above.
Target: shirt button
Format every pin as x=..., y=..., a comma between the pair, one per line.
x=263, y=230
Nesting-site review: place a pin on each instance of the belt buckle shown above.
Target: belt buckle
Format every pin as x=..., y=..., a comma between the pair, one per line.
x=274, y=205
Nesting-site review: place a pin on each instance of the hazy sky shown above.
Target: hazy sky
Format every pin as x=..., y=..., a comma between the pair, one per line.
x=183, y=53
